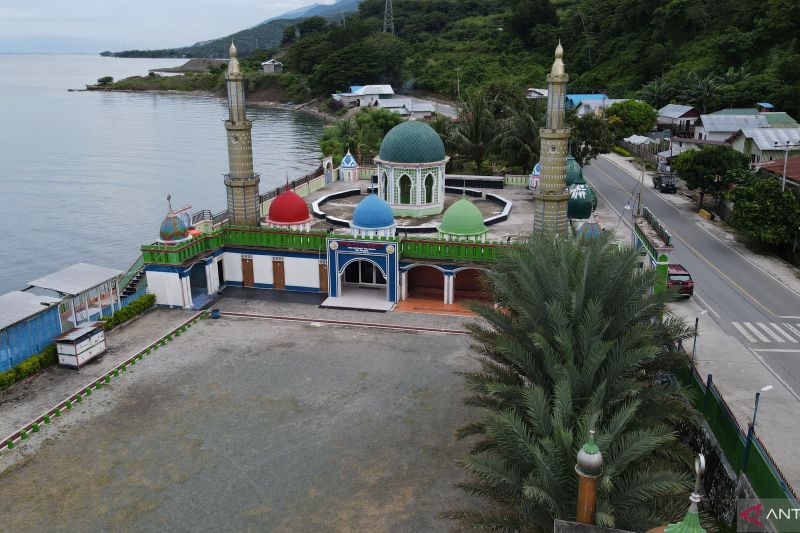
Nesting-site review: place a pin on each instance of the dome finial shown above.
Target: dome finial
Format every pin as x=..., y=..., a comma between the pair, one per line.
x=590, y=460
x=558, y=64
x=169, y=202
x=233, y=52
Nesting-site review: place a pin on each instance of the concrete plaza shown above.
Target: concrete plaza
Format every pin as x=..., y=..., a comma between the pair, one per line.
x=255, y=425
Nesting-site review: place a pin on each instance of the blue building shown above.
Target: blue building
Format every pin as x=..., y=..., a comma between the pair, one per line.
x=28, y=323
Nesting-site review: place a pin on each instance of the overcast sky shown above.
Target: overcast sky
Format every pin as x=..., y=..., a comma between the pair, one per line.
x=137, y=23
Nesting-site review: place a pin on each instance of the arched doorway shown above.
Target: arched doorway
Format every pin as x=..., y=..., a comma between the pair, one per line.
x=468, y=285
x=385, y=187
x=425, y=283
x=328, y=172
x=429, y=189
x=405, y=189
x=363, y=279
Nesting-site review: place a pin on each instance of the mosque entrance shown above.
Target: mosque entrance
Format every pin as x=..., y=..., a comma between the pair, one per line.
x=364, y=273
x=197, y=279
x=426, y=283
x=468, y=285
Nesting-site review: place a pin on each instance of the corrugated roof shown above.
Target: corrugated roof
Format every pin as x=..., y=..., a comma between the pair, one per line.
x=766, y=105
x=374, y=89
x=731, y=123
x=76, y=279
x=674, y=110
x=780, y=119
x=17, y=306
x=765, y=138
x=776, y=167
x=390, y=103
x=737, y=111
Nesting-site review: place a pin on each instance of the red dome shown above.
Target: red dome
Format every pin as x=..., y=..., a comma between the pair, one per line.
x=288, y=208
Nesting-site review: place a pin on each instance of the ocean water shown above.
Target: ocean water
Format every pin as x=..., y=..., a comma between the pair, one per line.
x=84, y=176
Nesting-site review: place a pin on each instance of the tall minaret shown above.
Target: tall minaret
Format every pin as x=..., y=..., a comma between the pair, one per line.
x=241, y=183
x=550, y=199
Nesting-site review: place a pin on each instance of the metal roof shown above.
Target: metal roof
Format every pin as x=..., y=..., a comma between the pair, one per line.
x=674, y=110
x=390, y=103
x=780, y=119
x=76, y=279
x=639, y=139
x=766, y=105
x=732, y=123
x=17, y=306
x=776, y=167
x=765, y=138
x=736, y=111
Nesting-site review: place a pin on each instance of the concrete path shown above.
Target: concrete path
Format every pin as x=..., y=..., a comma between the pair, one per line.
x=24, y=401
x=751, y=335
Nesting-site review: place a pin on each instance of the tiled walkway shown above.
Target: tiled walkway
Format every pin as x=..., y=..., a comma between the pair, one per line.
x=431, y=306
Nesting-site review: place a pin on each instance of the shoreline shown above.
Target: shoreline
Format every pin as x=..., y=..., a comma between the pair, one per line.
x=304, y=107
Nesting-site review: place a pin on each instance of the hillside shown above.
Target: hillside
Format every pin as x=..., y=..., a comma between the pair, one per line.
x=333, y=11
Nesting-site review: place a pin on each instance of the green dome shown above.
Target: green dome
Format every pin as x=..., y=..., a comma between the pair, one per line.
x=574, y=171
x=463, y=218
x=412, y=142
x=582, y=201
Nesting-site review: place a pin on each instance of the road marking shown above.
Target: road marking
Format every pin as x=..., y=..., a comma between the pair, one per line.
x=777, y=328
x=744, y=332
x=779, y=350
x=734, y=250
x=785, y=316
x=755, y=330
x=698, y=254
x=792, y=328
x=769, y=332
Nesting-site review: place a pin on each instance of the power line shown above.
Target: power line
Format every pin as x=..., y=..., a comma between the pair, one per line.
x=388, y=18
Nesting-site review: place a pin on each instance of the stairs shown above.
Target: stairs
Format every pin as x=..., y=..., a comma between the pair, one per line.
x=131, y=286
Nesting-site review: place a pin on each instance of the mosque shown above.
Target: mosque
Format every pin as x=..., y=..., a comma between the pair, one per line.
x=368, y=237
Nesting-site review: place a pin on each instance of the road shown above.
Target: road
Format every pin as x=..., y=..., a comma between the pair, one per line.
x=743, y=299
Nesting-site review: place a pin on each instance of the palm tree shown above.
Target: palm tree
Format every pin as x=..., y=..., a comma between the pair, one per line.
x=477, y=134
x=577, y=342
x=657, y=93
x=520, y=145
x=699, y=92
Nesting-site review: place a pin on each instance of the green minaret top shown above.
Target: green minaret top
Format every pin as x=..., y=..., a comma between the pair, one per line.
x=691, y=522
x=590, y=460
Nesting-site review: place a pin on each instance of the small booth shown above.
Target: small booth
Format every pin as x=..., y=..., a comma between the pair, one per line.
x=79, y=346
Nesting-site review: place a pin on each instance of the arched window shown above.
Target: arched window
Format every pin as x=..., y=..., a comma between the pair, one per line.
x=429, y=189
x=385, y=187
x=405, y=189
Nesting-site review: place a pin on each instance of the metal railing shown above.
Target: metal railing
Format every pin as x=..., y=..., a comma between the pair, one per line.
x=128, y=276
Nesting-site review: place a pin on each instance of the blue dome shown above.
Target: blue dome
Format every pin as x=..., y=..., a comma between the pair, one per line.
x=373, y=213
x=348, y=161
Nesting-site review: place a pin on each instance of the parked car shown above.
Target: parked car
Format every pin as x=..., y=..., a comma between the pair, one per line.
x=665, y=182
x=680, y=279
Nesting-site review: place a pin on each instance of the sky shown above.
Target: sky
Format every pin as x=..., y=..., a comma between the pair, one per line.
x=130, y=24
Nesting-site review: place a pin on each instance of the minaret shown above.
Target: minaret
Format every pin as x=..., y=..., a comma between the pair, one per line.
x=589, y=467
x=550, y=199
x=241, y=183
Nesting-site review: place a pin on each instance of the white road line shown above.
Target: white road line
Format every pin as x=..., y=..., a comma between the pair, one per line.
x=779, y=350
x=744, y=332
x=792, y=329
x=705, y=305
x=792, y=317
x=777, y=328
x=755, y=330
x=769, y=332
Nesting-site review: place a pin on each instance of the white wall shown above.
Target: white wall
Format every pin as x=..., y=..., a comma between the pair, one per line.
x=167, y=287
x=262, y=269
x=232, y=266
x=302, y=272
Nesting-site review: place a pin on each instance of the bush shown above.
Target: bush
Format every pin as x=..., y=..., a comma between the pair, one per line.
x=105, y=80
x=621, y=151
x=129, y=311
x=29, y=366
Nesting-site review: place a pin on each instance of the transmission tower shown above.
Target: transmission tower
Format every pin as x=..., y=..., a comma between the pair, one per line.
x=388, y=18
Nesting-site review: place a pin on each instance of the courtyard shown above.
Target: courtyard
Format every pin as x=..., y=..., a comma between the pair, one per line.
x=253, y=425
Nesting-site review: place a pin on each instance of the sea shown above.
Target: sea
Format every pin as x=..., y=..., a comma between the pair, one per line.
x=84, y=175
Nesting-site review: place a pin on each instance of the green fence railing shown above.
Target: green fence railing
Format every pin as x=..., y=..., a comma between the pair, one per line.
x=762, y=472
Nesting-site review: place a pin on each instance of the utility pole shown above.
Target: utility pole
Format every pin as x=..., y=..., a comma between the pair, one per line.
x=788, y=145
x=458, y=82
x=388, y=18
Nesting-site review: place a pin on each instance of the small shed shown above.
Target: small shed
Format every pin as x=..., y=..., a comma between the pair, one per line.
x=90, y=292
x=28, y=323
x=79, y=346
x=272, y=66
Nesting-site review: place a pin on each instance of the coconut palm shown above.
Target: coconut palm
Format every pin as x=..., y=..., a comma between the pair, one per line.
x=657, y=93
x=520, y=146
x=699, y=92
x=477, y=134
x=577, y=342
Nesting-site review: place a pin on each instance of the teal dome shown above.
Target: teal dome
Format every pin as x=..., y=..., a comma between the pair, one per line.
x=463, y=218
x=412, y=142
x=373, y=213
x=582, y=201
x=574, y=171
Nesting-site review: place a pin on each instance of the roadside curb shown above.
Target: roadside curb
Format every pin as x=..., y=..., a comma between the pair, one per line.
x=85, y=391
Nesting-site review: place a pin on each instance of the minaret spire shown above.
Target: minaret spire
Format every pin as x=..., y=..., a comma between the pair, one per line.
x=550, y=199
x=241, y=182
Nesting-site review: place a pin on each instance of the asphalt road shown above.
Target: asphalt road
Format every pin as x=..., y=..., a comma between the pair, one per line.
x=743, y=299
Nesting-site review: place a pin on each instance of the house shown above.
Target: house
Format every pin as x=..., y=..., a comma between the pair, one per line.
x=776, y=168
x=535, y=94
x=677, y=117
x=272, y=66
x=591, y=103
x=678, y=145
x=780, y=119
x=766, y=144
x=364, y=95
x=736, y=111
x=408, y=108
x=720, y=126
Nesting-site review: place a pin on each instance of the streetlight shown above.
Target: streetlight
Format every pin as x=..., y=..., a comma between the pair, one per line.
x=789, y=144
x=751, y=428
x=696, y=324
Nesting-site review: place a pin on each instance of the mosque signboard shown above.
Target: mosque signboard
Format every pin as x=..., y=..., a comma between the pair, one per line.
x=376, y=262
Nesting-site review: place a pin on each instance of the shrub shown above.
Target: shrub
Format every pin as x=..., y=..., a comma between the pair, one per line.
x=131, y=310
x=621, y=151
x=29, y=366
x=105, y=80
